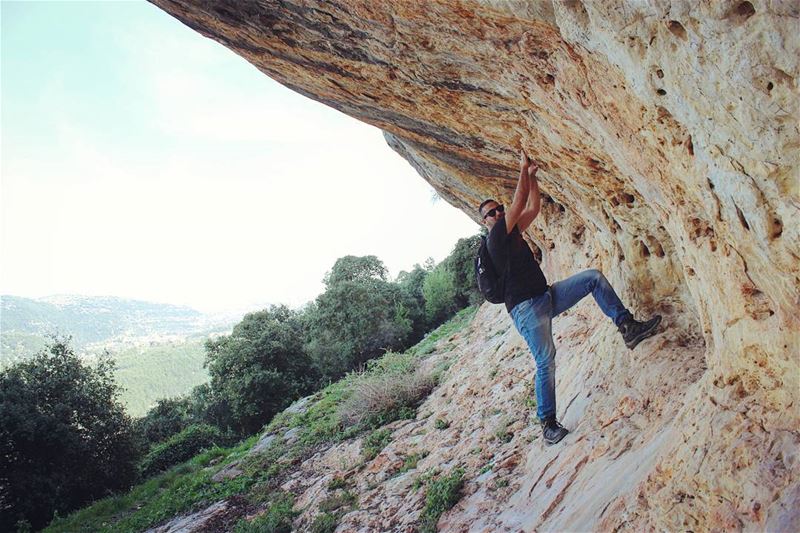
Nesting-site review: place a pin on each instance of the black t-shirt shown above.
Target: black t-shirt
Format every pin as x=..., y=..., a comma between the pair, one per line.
x=523, y=277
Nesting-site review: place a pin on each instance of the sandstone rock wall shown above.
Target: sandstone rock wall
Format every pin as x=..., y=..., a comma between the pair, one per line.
x=668, y=139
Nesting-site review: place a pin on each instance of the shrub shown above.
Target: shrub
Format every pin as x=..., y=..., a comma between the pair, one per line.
x=179, y=448
x=277, y=519
x=380, y=396
x=440, y=294
x=259, y=369
x=410, y=462
x=375, y=442
x=324, y=523
x=344, y=500
x=461, y=262
x=442, y=494
x=358, y=317
x=168, y=417
x=64, y=436
x=337, y=483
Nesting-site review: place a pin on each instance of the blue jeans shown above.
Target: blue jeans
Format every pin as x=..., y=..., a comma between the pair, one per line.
x=533, y=321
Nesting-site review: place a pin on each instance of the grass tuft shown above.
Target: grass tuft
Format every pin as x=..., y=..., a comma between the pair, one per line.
x=374, y=443
x=277, y=519
x=441, y=495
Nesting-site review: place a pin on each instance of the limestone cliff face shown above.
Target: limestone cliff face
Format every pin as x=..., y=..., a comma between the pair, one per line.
x=668, y=138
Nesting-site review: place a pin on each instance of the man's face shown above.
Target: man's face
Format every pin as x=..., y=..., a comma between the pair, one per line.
x=491, y=213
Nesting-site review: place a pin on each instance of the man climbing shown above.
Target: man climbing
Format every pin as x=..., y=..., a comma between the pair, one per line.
x=533, y=304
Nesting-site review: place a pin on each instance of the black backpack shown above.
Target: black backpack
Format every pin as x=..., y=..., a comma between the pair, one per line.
x=490, y=282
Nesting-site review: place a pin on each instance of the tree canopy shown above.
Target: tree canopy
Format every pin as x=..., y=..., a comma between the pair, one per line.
x=64, y=439
x=260, y=368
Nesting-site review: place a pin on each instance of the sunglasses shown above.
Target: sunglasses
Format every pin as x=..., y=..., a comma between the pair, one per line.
x=493, y=211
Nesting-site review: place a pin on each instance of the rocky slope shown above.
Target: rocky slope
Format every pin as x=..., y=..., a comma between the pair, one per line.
x=667, y=134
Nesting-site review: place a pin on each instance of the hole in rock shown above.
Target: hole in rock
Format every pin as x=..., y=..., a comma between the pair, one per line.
x=656, y=247
x=770, y=86
x=745, y=10
x=777, y=228
x=628, y=198
x=577, y=234
x=743, y=220
x=661, y=92
x=660, y=73
x=677, y=29
x=594, y=164
x=644, y=251
x=690, y=145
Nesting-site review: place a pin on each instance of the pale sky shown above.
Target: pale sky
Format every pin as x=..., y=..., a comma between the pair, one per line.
x=142, y=160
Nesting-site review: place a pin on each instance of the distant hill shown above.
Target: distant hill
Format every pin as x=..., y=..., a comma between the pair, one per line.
x=95, y=323
x=149, y=373
x=158, y=348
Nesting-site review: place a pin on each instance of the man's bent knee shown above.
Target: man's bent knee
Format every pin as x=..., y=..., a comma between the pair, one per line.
x=595, y=274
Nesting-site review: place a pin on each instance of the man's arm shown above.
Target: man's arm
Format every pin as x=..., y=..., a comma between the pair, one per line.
x=534, y=203
x=520, y=195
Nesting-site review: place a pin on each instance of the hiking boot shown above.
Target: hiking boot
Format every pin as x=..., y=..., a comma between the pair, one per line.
x=634, y=332
x=552, y=431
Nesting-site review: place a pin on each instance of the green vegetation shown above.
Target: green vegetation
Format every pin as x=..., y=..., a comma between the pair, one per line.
x=58, y=413
x=337, y=483
x=439, y=290
x=270, y=359
x=183, y=488
x=17, y=346
x=441, y=423
x=441, y=495
x=410, y=462
x=424, y=478
x=332, y=509
x=180, y=447
x=168, y=370
x=529, y=396
x=188, y=486
x=447, y=330
x=258, y=370
x=324, y=523
x=358, y=317
x=26, y=325
x=375, y=442
x=390, y=389
x=341, y=500
x=277, y=519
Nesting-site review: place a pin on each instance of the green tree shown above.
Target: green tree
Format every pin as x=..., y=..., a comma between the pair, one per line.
x=359, y=316
x=357, y=269
x=64, y=436
x=168, y=417
x=411, y=288
x=258, y=370
x=461, y=263
x=440, y=294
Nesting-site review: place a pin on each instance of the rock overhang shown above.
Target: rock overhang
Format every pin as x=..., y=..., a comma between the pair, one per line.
x=667, y=134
